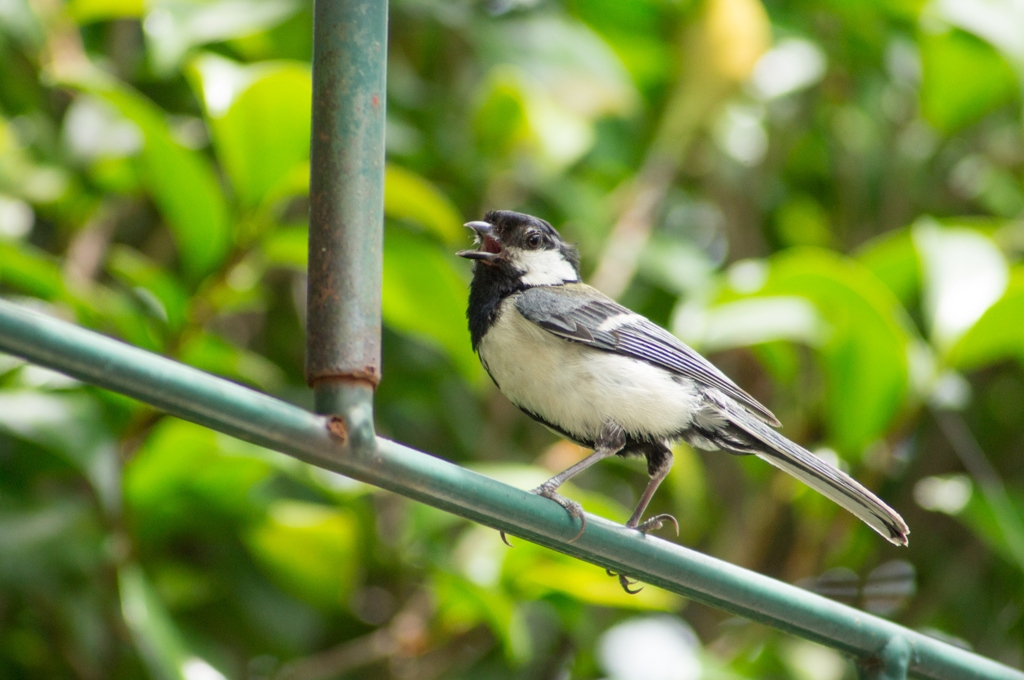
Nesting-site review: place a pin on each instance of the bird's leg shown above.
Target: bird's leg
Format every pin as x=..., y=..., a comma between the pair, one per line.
x=609, y=442
x=658, y=469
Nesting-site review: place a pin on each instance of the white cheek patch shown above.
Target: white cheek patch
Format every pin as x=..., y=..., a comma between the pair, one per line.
x=544, y=268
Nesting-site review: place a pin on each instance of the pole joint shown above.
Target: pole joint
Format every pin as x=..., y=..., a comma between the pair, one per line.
x=891, y=663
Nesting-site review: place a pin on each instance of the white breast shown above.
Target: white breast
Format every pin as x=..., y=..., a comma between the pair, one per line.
x=579, y=388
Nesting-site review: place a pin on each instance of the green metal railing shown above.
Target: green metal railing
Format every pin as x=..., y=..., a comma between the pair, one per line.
x=885, y=649
x=343, y=368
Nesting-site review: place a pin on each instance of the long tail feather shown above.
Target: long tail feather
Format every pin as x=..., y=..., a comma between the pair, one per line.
x=822, y=477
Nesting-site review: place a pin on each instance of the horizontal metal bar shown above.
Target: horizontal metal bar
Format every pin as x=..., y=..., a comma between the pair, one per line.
x=244, y=413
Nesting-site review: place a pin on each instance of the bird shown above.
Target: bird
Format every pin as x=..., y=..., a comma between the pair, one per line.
x=611, y=380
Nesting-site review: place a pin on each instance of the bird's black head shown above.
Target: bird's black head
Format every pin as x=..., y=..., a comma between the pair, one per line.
x=523, y=249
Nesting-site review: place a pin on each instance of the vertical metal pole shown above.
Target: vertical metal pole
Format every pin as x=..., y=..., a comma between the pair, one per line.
x=346, y=204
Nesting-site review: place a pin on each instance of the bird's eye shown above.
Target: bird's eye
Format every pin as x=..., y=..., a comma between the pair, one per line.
x=534, y=240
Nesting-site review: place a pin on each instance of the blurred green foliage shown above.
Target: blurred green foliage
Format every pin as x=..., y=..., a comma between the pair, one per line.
x=827, y=198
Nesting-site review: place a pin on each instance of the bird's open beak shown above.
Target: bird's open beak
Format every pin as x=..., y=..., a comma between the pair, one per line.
x=489, y=249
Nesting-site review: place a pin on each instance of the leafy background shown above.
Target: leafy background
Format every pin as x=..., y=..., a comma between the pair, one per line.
x=826, y=198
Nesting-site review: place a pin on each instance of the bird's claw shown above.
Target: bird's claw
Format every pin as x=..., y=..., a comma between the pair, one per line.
x=645, y=527
x=574, y=509
x=655, y=523
x=625, y=582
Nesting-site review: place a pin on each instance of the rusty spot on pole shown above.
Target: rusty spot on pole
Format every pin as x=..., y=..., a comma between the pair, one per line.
x=338, y=429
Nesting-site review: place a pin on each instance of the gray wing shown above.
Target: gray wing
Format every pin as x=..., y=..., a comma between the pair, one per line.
x=582, y=314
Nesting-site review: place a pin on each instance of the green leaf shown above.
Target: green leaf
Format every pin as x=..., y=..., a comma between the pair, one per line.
x=310, y=550
x=173, y=27
x=462, y=604
x=71, y=425
x=865, y=352
x=998, y=24
x=564, y=58
x=500, y=122
x=260, y=119
x=964, y=78
x=680, y=267
x=122, y=314
x=802, y=221
x=159, y=640
x=182, y=182
x=31, y=270
x=215, y=355
x=88, y=11
x=997, y=335
x=135, y=269
x=763, y=319
x=550, y=78
x=46, y=540
x=995, y=516
x=189, y=197
x=408, y=196
x=286, y=247
x=964, y=273
x=424, y=297
x=186, y=478
x=894, y=260
x=536, y=572
x=24, y=22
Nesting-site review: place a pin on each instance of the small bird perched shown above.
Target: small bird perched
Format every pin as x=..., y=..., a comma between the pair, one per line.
x=609, y=379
